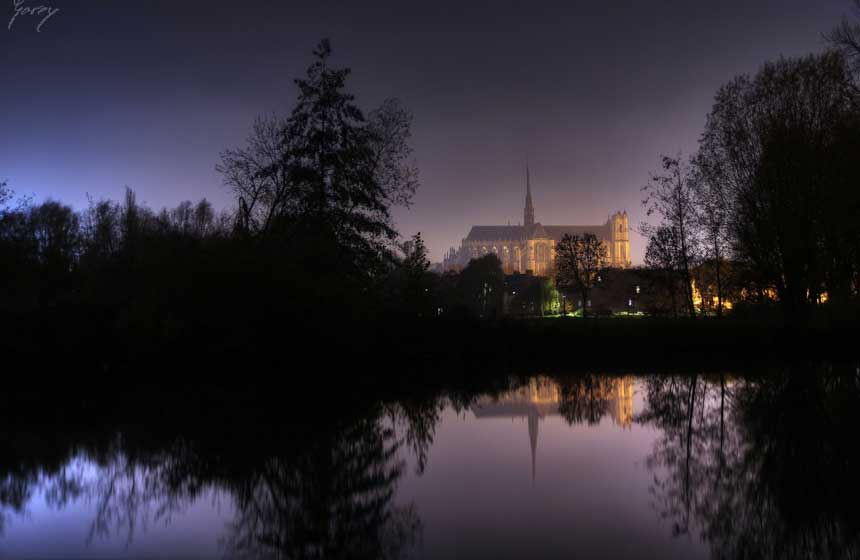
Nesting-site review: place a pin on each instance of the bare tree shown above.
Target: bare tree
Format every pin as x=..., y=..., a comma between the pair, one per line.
x=577, y=264
x=672, y=197
x=714, y=210
x=846, y=38
x=389, y=127
x=260, y=186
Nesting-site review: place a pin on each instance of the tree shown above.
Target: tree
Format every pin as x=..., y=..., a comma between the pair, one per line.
x=780, y=144
x=258, y=183
x=577, y=263
x=414, y=276
x=714, y=210
x=5, y=194
x=661, y=255
x=481, y=285
x=549, y=297
x=672, y=196
x=415, y=260
x=344, y=173
x=101, y=230
x=314, y=195
x=56, y=230
x=327, y=172
x=17, y=253
x=846, y=38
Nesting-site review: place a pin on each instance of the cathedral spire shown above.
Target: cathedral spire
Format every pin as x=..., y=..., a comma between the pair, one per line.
x=529, y=212
x=533, y=419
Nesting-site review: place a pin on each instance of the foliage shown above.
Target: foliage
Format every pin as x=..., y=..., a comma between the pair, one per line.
x=482, y=285
x=768, y=205
x=783, y=146
x=415, y=261
x=314, y=194
x=663, y=256
x=410, y=287
x=578, y=260
x=326, y=172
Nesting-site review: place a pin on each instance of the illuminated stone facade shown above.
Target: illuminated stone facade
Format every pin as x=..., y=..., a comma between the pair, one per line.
x=531, y=246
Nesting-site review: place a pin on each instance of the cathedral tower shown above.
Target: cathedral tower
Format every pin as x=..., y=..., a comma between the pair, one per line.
x=619, y=240
x=529, y=212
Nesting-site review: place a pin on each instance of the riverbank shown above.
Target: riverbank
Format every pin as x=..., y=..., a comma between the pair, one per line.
x=349, y=346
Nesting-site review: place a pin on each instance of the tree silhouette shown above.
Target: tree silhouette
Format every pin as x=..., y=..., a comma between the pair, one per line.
x=416, y=283
x=778, y=144
x=672, y=196
x=846, y=38
x=661, y=255
x=578, y=260
x=326, y=171
x=481, y=285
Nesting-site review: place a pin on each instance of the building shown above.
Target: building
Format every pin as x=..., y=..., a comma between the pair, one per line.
x=530, y=248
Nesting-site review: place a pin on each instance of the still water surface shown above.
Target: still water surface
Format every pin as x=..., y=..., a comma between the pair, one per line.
x=620, y=466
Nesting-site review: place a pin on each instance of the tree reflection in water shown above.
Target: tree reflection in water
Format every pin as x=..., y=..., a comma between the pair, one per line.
x=588, y=398
x=759, y=467
x=319, y=491
x=334, y=501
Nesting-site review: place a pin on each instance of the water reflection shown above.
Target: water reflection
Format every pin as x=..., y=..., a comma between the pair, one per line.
x=333, y=501
x=320, y=491
x=759, y=467
x=586, y=398
x=736, y=466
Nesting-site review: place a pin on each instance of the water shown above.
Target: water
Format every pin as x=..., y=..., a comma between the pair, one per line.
x=620, y=466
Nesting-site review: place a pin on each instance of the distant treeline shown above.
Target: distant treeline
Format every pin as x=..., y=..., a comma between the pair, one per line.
x=308, y=259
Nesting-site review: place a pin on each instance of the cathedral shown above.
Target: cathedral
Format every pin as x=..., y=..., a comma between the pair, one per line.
x=530, y=248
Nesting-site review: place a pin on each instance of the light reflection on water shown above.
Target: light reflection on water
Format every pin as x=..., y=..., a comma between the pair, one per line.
x=547, y=469
x=681, y=466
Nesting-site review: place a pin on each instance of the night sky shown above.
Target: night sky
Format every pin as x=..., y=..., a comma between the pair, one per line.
x=147, y=93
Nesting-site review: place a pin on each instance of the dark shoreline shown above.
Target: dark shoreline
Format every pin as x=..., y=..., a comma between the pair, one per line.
x=370, y=351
